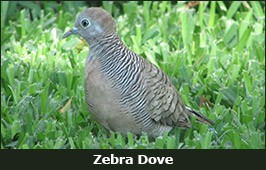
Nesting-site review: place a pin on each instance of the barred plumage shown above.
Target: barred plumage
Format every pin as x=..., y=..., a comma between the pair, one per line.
x=124, y=92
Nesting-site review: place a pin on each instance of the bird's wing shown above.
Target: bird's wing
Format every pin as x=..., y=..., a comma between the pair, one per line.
x=165, y=104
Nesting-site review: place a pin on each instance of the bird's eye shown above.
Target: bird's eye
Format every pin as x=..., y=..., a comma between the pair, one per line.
x=85, y=22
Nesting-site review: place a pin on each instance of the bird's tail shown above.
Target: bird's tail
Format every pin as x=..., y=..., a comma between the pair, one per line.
x=200, y=117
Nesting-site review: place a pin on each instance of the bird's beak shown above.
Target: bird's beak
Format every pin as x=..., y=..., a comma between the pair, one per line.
x=74, y=30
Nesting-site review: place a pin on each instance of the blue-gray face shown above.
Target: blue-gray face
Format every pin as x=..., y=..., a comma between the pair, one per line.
x=92, y=23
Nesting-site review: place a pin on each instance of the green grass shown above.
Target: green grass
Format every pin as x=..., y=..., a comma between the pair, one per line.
x=211, y=49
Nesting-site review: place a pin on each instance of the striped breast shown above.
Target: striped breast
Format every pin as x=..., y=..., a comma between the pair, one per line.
x=102, y=100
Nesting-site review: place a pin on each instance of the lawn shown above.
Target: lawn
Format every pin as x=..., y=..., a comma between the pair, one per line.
x=214, y=53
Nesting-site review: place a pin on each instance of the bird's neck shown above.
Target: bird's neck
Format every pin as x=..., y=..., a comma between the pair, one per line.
x=104, y=47
x=101, y=42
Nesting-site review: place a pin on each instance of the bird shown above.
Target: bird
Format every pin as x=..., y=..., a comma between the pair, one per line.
x=124, y=92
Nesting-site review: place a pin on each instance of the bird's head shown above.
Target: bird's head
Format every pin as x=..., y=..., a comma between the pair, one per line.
x=92, y=23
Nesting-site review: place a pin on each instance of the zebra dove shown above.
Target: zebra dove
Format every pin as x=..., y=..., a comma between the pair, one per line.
x=125, y=92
